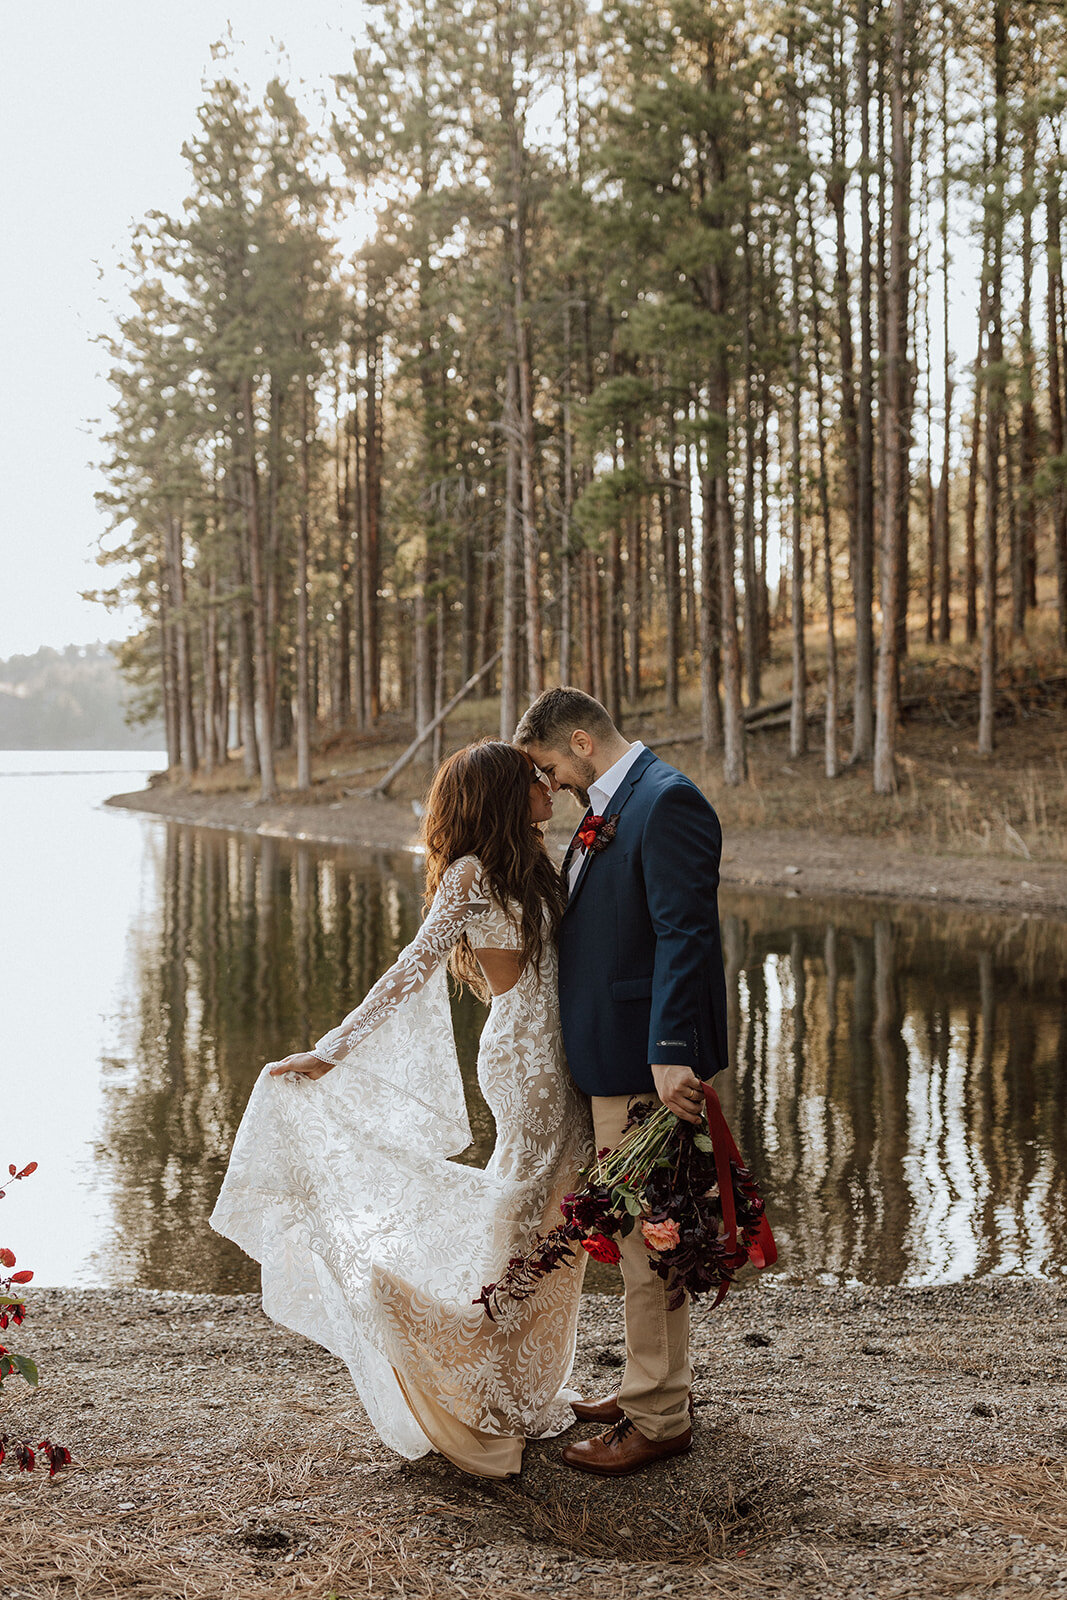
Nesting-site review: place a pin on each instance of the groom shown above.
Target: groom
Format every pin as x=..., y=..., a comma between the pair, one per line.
x=643, y=1003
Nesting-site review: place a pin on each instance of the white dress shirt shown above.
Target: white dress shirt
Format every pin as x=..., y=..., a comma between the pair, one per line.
x=601, y=794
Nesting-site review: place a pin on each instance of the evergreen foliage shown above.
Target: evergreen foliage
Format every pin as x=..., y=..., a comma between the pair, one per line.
x=650, y=350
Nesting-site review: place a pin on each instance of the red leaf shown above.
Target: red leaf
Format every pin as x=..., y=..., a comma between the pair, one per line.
x=12, y=1169
x=7, y=1258
x=21, y=1277
x=27, y=1170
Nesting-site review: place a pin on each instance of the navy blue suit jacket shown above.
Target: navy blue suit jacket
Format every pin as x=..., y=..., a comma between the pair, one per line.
x=640, y=961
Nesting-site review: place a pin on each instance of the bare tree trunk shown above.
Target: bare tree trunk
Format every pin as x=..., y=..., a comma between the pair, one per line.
x=898, y=430
x=668, y=499
x=710, y=707
x=439, y=680
x=614, y=641
x=566, y=555
x=179, y=626
x=942, y=530
x=994, y=390
x=519, y=333
x=301, y=702
x=798, y=712
x=168, y=672
x=748, y=515
x=831, y=762
x=836, y=192
x=261, y=667
x=863, y=543
x=349, y=513
x=692, y=605
x=509, y=607
x=1054, y=309
x=1024, y=565
x=372, y=560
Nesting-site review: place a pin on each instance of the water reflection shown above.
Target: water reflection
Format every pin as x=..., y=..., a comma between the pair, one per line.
x=897, y=1077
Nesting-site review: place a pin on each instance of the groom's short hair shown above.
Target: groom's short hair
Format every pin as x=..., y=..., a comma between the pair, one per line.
x=555, y=715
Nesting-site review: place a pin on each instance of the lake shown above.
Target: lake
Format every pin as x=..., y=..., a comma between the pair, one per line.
x=898, y=1082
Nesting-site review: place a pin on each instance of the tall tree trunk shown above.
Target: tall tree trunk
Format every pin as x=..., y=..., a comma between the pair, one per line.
x=735, y=759
x=519, y=339
x=710, y=601
x=261, y=665
x=898, y=403
x=942, y=530
x=994, y=387
x=798, y=711
x=614, y=641
x=748, y=514
x=1024, y=547
x=1056, y=360
x=509, y=598
x=668, y=502
x=831, y=762
x=692, y=603
x=183, y=668
x=168, y=672
x=302, y=698
x=371, y=561
x=836, y=195
x=566, y=498
x=863, y=542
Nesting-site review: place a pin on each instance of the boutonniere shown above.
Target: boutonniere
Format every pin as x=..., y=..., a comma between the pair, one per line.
x=596, y=833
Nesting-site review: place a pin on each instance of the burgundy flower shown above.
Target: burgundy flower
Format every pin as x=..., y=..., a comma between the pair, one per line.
x=596, y=833
x=58, y=1456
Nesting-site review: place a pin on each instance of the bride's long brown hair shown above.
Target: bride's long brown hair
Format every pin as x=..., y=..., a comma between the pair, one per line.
x=479, y=805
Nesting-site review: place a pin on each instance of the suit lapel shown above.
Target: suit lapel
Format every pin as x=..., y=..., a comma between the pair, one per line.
x=615, y=805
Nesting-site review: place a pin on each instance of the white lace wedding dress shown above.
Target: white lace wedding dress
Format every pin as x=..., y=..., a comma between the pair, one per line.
x=375, y=1244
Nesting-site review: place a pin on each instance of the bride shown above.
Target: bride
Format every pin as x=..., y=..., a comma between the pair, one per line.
x=371, y=1240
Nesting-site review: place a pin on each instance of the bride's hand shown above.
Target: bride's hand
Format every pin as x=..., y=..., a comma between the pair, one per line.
x=304, y=1062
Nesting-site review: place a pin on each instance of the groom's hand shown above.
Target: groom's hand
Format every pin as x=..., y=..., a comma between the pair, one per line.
x=681, y=1092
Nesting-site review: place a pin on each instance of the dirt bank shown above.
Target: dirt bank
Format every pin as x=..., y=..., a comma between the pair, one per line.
x=808, y=862
x=849, y=1441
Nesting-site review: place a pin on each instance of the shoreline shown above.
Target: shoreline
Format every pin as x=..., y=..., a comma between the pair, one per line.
x=884, y=1441
x=796, y=862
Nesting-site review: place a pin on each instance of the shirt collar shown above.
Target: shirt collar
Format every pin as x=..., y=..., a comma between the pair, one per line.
x=602, y=792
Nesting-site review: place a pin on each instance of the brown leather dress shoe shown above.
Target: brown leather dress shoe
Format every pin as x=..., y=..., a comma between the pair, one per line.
x=623, y=1449
x=606, y=1410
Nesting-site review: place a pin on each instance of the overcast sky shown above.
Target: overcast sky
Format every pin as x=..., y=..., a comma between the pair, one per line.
x=95, y=103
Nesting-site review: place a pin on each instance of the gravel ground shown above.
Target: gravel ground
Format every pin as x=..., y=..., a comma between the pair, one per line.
x=848, y=1441
x=798, y=861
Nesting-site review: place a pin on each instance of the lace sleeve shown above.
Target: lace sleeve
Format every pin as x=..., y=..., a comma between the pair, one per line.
x=459, y=900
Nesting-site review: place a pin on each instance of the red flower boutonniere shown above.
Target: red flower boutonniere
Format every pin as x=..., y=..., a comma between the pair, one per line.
x=596, y=833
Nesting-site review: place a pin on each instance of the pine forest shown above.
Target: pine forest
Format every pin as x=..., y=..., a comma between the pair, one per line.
x=614, y=344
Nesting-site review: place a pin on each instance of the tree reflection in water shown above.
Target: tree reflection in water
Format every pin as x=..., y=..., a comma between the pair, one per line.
x=897, y=1085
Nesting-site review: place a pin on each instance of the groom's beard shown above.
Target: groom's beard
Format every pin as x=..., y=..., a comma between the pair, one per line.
x=586, y=775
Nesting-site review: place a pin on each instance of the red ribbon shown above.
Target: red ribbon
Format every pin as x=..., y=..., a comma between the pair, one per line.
x=762, y=1250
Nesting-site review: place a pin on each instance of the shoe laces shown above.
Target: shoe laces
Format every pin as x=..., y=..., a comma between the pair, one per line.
x=619, y=1430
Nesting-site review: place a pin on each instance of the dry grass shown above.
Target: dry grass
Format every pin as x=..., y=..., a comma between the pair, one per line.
x=219, y=1534
x=1026, y=1498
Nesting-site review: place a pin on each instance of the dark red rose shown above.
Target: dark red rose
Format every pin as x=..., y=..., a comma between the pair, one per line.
x=588, y=831
x=601, y=1249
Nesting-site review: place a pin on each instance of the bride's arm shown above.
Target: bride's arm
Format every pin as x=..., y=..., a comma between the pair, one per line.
x=458, y=901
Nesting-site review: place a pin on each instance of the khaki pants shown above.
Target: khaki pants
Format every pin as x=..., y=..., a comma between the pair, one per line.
x=654, y=1393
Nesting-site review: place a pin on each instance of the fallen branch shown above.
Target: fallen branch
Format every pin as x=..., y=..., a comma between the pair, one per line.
x=382, y=786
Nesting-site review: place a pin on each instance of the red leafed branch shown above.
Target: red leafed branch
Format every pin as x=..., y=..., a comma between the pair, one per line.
x=13, y=1312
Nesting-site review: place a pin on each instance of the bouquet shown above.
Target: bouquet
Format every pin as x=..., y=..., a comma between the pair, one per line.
x=697, y=1206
